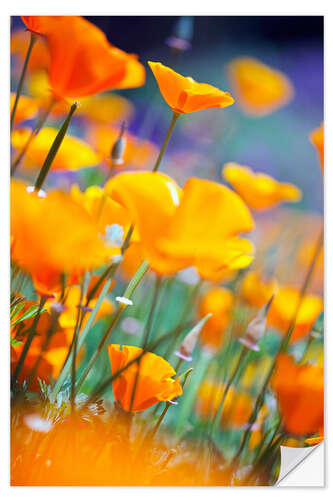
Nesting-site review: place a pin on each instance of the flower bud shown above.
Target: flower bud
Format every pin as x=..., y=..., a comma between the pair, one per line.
x=256, y=328
x=187, y=346
x=118, y=149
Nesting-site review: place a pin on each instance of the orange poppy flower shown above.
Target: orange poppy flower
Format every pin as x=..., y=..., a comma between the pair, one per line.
x=72, y=155
x=317, y=139
x=34, y=24
x=219, y=302
x=237, y=407
x=75, y=42
x=300, y=394
x=39, y=57
x=259, y=191
x=49, y=235
x=137, y=154
x=185, y=95
x=257, y=291
x=260, y=89
x=175, y=227
x=27, y=108
x=283, y=308
x=154, y=383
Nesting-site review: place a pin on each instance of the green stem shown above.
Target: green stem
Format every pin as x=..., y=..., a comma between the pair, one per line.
x=175, y=117
x=167, y=405
x=54, y=149
x=28, y=342
x=218, y=414
x=282, y=348
x=75, y=340
x=33, y=39
x=42, y=119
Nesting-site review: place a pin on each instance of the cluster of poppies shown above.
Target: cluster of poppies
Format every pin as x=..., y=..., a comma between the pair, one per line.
x=82, y=254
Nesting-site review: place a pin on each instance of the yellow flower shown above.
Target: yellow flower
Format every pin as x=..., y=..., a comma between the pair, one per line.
x=72, y=155
x=260, y=191
x=260, y=89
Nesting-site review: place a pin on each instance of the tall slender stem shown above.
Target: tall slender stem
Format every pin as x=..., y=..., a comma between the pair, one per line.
x=158, y=423
x=282, y=348
x=54, y=149
x=42, y=119
x=75, y=339
x=175, y=116
x=33, y=38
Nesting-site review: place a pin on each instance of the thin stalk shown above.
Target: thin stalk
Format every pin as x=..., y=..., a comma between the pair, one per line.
x=282, y=348
x=54, y=149
x=156, y=293
x=175, y=117
x=28, y=342
x=33, y=39
x=42, y=119
x=158, y=423
x=218, y=414
x=75, y=340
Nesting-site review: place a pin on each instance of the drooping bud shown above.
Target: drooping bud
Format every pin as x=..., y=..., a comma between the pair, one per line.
x=256, y=328
x=118, y=148
x=190, y=341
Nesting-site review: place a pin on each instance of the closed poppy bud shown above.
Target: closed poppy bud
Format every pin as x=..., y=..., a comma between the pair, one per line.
x=256, y=328
x=190, y=341
x=118, y=149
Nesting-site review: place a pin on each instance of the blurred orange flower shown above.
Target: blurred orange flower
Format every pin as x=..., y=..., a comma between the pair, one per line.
x=260, y=89
x=185, y=95
x=39, y=57
x=317, y=139
x=154, y=382
x=137, y=154
x=257, y=291
x=315, y=440
x=75, y=42
x=219, y=302
x=175, y=226
x=72, y=155
x=283, y=309
x=27, y=108
x=300, y=393
x=237, y=407
x=34, y=24
x=259, y=191
x=49, y=234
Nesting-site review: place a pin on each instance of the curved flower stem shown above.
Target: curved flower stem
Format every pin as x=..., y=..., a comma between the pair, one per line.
x=282, y=348
x=33, y=39
x=175, y=117
x=28, y=342
x=218, y=414
x=42, y=119
x=54, y=149
x=158, y=423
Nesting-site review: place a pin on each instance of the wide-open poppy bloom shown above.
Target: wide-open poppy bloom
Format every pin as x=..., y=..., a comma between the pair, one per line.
x=74, y=43
x=256, y=290
x=237, y=407
x=154, y=381
x=283, y=309
x=260, y=89
x=219, y=302
x=48, y=235
x=260, y=191
x=175, y=226
x=317, y=139
x=73, y=154
x=185, y=95
x=300, y=393
x=27, y=108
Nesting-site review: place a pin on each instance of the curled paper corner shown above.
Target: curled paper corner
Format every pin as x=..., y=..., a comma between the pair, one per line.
x=296, y=465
